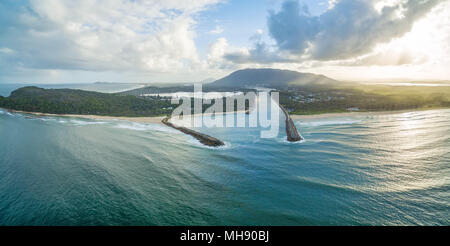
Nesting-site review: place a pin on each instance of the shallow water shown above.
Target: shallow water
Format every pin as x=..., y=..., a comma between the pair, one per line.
x=384, y=169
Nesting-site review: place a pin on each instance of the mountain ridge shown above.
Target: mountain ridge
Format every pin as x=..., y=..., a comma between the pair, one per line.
x=268, y=77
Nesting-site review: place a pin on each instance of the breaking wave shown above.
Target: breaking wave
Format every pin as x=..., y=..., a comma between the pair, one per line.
x=144, y=127
x=84, y=123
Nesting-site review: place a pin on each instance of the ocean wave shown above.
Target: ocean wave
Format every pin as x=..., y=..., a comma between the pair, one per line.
x=144, y=127
x=84, y=123
x=75, y=122
x=44, y=119
x=284, y=140
x=315, y=182
x=5, y=112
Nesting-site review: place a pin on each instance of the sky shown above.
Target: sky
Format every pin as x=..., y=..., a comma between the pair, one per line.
x=164, y=41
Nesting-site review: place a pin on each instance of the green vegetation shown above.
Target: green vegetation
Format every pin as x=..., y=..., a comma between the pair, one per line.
x=357, y=97
x=299, y=93
x=68, y=101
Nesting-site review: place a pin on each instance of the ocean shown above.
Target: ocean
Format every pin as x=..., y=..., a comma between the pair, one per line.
x=376, y=169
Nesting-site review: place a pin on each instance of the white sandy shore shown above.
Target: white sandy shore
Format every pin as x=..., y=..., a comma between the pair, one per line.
x=99, y=117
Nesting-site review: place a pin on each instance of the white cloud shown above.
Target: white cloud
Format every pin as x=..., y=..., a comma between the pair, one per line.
x=428, y=41
x=98, y=35
x=351, y=28
x=217, y=30
x=331, y=3
x=217, y=50
x=216, y=57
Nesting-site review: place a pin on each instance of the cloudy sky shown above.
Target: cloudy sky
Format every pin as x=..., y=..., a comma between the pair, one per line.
x=80, y=41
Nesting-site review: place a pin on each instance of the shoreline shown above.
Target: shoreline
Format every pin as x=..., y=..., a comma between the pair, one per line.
x=158, y=119
x=154, y=119
x=363, y=113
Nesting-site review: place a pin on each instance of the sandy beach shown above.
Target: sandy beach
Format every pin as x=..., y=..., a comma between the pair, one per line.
x=157, y=119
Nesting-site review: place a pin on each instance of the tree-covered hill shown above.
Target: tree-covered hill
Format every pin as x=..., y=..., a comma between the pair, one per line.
x=245, y=80
x=68, y=101
x=273, y=78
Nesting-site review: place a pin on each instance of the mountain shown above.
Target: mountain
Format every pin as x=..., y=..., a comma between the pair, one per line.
x=273, y=78
x=245, y=80
x=68, y=101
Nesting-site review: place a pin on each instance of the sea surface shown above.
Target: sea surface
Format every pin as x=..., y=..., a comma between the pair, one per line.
x=380, y=169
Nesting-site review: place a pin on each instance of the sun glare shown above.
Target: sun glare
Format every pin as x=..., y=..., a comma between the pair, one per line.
x=422, y=53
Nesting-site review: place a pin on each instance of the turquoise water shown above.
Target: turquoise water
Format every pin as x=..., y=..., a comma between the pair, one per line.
x=381, y=169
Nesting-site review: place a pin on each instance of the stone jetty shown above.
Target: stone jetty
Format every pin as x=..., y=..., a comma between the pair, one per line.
x=291, y=130
x=203, y=138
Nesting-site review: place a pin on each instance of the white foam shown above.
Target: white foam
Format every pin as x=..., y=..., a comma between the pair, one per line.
x=285, y=141
x=46, y=119
x=84, y=123
x=145, y=127
x=72, y=121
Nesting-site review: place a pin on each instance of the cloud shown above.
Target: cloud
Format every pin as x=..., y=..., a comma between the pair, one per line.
x=293, y=27
x=331, y=3
x=217, y=30
x=97, y=35
x=216, y=52
x=149, y=40
x=348, y=29
x=259, y=52
x=348, y=33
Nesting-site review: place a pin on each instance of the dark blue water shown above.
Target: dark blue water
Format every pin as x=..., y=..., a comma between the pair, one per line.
x=380, y=169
